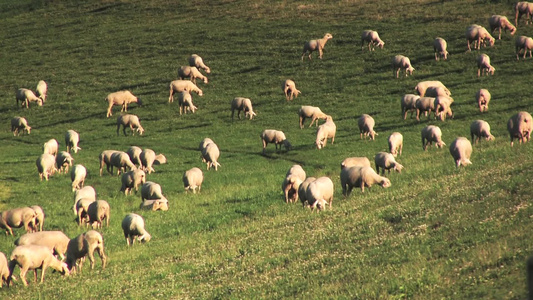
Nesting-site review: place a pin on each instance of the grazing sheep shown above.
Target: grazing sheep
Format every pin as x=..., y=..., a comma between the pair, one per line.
x=523, y=43
x=86, y=192
x=147, y=159
x=82, y=210
x=134, y=153
x=366, y=126
x=41, y=90
x=97, y=212
x=178, y=86
x=19, y=123
x=63, y=161
x=133, y=227
x=121, y=161
x=72, y=138
x=372, y=38
x=4, y=270
x=105, y=158
x=523, y=8
x=480, y=129
x=325, y=131
x=46, y=166
x=361, y=177
x=39, y=217
x=425, y=105
x=210, y=155
x=244, y=105
x=408, y=103
x=151, y=191
x=56, y=241
x=401, y=62
x=77, y=175
x=312, y=112
x=302, y=190
x=16, y=218
x=84, y=245
x=26, y=96
x=319, y=193
x=386, y=161
x=192, y=73
x=154, y=205
x=185, y=103
x=197, y=61
x=289, y=88
x=51, y=147
x=132, y=179
x=122, y=98
x=33, y=257
x=129, y=120
x=478, y=34
x=422, y=87
x=461, y=149
x=501, y=22
x=520, y=126
x=355, y=161
x=439, y=46
x=276, y=137
x=443, y=108
x=432, y=134
x=193, y=179
x=483, y=65
x=395, y=142
x=483, y=98
x=314, y=45
x=294, y=177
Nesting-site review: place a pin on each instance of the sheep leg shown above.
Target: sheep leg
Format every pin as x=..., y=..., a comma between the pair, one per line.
x=23, y=272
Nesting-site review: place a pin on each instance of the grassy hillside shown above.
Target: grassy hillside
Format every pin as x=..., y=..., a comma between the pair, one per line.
x=438, y=232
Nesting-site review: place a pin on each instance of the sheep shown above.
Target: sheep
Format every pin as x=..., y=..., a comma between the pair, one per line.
x=395, y=142
x=483, y=65
x=483, y=98
x=193, y=179
x=154, y=205
x=132, y=179
x=81, y=208
x=16, y=218
x=319, y=193
x=523, y=8
x=242, y=104
x=4, y=270
x=325, y=131
x=192, y=73
x=480, y=129
x=372, y=38
x=211, y=154
x=314, y=45
x=355, y=161
x=97, y=212
x=33, y=257
x=386, y=161
x=133, y=227
x=134, y=153
x=204, y=143
x=361, y=177
x=122, y=98
x=19, y=123
x=312, y=112
x=151, y=191
x=56, y=241
x=422, y=87
x=478, y=34
x=276, y=137
x=39, y=217
x=26, y=96
x=51, y=147
x=401, y=62
x=366, y=126
x=129, y=120
x=431, y=134
x=289, y=88
x=105, y=158
x=197, y=61
x=302, y=190
x=501, y=22
x=439, y=46
x=185, y=103
x=72, y=139
x=84, y=245
x=442, y=106
x=46, y=166
x=41, y=90
x=63, y=161
x=461, y=149
x=294, y=177
x=86, y=192
x=121, y=161
x=520, y=126
x=77, y=175
x=408, y=103
x=147, y=159
x=177, y=86
x=523, y=43
x=425, y=105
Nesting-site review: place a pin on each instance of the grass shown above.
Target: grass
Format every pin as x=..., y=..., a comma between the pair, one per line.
x=438, y=232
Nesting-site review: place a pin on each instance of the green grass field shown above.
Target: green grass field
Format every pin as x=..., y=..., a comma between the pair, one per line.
x=437, y=233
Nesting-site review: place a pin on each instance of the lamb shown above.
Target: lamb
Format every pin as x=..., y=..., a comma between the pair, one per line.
x=151, y=191
x=523, y=8
x=442, y=106
x=132, y=179
x=26, y=96
x=432, y=134
x=478, y=34
x=211, y=154
x=425, y=105
x=483, y=65
x=193, y=179
x=84, y=245
x=46, y=166
x=366, y=126
x=129, y=120
x=242, y=104
x=192, y=73
x=82, y=210
x=72, y=138
x=439, y=46
x=372, y=38
x=147, y=159
x=134, y=153
x=276, y=137
x=122, y=98
x=302, y=190
x=154, y=205
x=289, y=88
x=121, y=161
x=133, y=227
x=319, y=193
x=77, y=175
x=4, y=270
x=33, y=257
x=63, y=161
x=408, y=103
x=312, y=112
x=105, y=158
x=361, y=177
x=395, y=142
x=19, y=123
x=355, y=161
x=39, y=217
x=423, y=86
x=97, y=212
x=520, y=126
x=51, y=147
x=56, y=241
x=523, y=43
x=185, y=103
x=386, y=161
x=177, y=86
x=501, y=22
x=197, y=61
x=294, y=177
x=480, y=129
x=41, y=90
x=461, y=149
x=401, y=62
x=325, y=131
x=16, y=218
x=314, y=45
x=86, y=192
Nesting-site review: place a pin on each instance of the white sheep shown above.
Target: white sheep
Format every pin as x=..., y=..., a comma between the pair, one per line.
x=302, y=190
x=211, y=154
x=72, y=138
x=501, y=22
x=86, y=192
x=192, y=73
x=431, y=134
x=178, y=86
x=386, y=161
x=395, y=142
x=105, y=159
x=185, y=103
x=132, y=121
x=97, y=212
x=520, y=126
x=425, y=105
x=319, y=193
x=151, y=191
x=324, y=132
x=77, y=175
x=193, y=179
x=372, y=38
x=16, y=218
x=524, y=43
x=63, y=161
x=39, y=217
x=314, y=45
x=147, y=159
x=483, y=98
x=56, y=241
x=121, y=161
x=294, y=177
x=81, y=208
x=480, y=129
x=355, y=162
x=290, y=90
x=408, y=103
x=361, y=177
x=401, y=62
x=131, y=180
x=122, y=98
x=25, y=96
x=33, y=257
x=312, y=112
x=41, y=90
x=275, y=137
x=366, y=126
x=242, y=104
x=439, y=46
x=523, y=8
x=84, y=245
x=133, y=227
x=154, y=205
x=422, y=86
x=51, y=147
x=4, y=270
x=134, y=153
x=46, y=166
x=198, y=62
x=478, y=34
x=443, y=108
x=483, y=65
x=19, y=123
x=461, y=149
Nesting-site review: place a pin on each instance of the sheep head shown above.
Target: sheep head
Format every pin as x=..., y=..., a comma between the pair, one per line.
x=385, y=182
x=287, y=145
x=140, y=130
x=28, y=129
x=440, y=144
x=398, y=168
x=409, y=70
x=139, y=102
